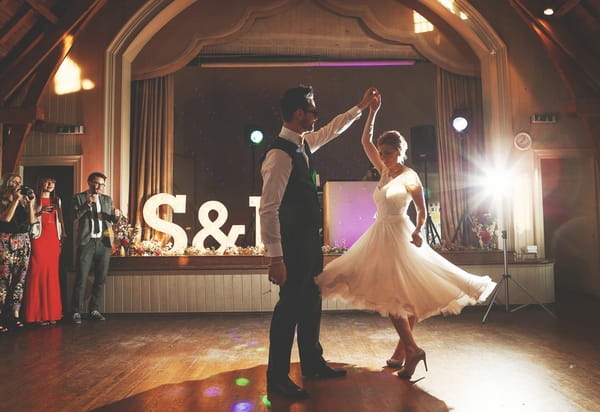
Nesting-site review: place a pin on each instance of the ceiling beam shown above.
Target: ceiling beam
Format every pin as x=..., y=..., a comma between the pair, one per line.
x=21, y=115
x=14, y=75
x=13, y=143
x=579, y=72
x=31, y=75
x=584, y=107
x=559, y=41
x=43, y=10
x=10, y=29
x=37, y=83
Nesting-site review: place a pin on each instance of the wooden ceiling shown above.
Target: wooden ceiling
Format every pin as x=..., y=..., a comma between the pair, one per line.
x=570, y=38
x=33, y=33
x=33, y=36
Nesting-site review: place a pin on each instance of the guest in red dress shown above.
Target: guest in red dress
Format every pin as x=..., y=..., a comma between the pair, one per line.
x=42, y=294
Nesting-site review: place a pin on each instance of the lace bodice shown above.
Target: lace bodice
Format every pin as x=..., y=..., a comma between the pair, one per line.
x=391, y=195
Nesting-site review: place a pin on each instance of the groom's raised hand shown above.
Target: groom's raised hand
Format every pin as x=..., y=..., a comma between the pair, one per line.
x=369, y=95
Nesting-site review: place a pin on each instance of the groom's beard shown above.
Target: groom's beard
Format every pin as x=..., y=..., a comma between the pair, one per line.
x=308, y=126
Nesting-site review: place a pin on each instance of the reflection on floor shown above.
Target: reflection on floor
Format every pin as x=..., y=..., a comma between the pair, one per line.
x=522, y=361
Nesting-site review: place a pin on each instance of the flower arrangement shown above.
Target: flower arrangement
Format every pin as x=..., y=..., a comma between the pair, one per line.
x=447, y=246
x=147, y=248
x=125, y=235
x=127, y=243
x=335, y=249
x=486, y=229
x=229, y=251
x=155, y=247
x=244, y=251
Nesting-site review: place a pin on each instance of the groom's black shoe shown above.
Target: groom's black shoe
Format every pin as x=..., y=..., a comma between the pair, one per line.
x=287, y=388
x=324, y=371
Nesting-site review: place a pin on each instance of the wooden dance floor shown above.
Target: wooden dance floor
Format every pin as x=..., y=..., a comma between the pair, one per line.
x=522, y=361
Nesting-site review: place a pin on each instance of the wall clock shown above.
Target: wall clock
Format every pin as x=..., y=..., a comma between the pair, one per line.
x=523, y=141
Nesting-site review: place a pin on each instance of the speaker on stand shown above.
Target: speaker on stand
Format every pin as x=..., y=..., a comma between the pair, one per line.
x=423, y=150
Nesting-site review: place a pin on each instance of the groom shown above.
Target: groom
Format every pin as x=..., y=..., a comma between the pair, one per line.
x=290, y=217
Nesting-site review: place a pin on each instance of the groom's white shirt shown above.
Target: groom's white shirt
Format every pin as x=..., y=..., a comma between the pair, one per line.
x=276, y=170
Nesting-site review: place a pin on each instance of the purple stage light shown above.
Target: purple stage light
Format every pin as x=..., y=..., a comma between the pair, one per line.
x=243, y=407
x=349, y=211
x=364, y=63
x=212, y=391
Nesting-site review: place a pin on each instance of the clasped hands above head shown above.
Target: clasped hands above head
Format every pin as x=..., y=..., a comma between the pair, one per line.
x=370, y=94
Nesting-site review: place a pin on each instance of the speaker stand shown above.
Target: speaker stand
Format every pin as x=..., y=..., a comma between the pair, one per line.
x=465, y=223
x=431, y=233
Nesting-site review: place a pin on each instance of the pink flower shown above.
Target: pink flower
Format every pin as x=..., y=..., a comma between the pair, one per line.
x=485, y=236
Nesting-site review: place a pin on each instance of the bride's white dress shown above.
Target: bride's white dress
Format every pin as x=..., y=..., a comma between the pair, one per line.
x=384, y=272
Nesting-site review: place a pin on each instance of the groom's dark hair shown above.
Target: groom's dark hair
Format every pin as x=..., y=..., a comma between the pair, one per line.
x=294, y=99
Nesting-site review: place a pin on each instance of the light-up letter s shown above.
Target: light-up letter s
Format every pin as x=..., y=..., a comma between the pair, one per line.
x=151, y=217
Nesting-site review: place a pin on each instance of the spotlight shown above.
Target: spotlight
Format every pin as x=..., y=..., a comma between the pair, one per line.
x=255, y=135
x=460, y=121
x=495, y=182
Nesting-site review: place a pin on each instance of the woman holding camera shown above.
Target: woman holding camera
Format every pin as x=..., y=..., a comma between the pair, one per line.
x=42, y=295
x=16, y=217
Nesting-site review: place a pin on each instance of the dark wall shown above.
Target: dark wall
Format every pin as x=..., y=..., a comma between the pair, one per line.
x=213, y=107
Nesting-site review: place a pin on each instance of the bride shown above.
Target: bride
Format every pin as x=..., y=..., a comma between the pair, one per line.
x=389, y=269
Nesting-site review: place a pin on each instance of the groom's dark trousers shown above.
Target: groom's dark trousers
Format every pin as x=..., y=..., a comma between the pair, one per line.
x=299, y=303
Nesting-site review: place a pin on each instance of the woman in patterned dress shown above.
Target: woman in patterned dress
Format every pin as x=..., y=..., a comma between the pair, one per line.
x=16, y=217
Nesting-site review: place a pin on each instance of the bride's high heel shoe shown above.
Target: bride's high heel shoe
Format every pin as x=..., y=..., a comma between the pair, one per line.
x=394, y=363
x=398, y=357
x=411, y=364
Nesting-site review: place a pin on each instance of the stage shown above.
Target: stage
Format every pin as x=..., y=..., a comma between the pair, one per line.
x=191, y=284
x=239, y=283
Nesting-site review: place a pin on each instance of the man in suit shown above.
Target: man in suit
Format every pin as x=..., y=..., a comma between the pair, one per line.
x=291, y=217
x=93, y=215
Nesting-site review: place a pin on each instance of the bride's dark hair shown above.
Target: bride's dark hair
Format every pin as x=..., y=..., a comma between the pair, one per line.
x=396, y=140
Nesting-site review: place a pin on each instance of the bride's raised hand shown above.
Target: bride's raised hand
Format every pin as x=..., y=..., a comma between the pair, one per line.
x=375, y=103
x=367, y=98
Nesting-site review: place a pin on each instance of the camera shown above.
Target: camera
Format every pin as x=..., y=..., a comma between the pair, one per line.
x=27, y=191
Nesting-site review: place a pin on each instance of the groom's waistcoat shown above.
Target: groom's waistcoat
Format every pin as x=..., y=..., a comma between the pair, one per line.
x=300, y=203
